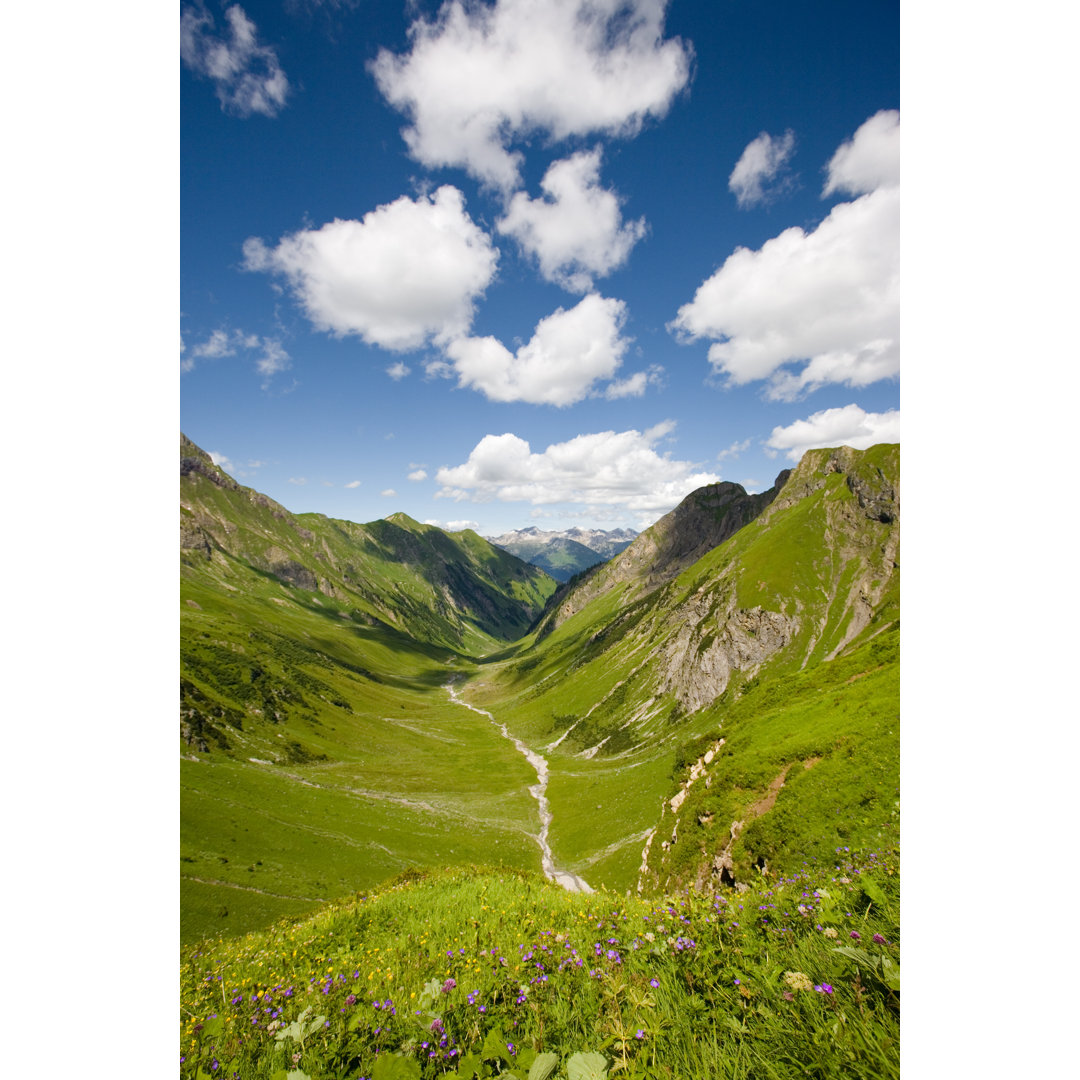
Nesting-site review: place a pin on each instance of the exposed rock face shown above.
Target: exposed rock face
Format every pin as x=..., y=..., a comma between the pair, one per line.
x=874, y=492
x=192, y=538
x=295, y=574
x=697, y=665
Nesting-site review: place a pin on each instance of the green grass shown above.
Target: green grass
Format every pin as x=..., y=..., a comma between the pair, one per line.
x=329, y=785
x=836, y=730
x=476, y=972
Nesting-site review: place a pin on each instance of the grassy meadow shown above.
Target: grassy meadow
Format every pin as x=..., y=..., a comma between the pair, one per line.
x=479, y=973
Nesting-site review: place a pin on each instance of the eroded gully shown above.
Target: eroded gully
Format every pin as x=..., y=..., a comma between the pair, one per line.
x=569, y=881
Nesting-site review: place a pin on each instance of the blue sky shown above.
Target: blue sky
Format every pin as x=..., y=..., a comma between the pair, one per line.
x=511, y=263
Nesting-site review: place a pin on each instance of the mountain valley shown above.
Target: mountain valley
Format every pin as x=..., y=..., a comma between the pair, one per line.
x=717, y=700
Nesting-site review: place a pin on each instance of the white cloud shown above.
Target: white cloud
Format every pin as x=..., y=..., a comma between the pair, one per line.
x=453, y=526
x=635, y=385
x=222, y=343
x=187, y=363
x=576, y=231
x=409, y=272
x=388, y=493
x=234, y=469
x=299, y=480
x=734, y=450
x=829, y=299
x=482, y=76
x=757, y=175
x=847, y=426
x=870, y=160
x=354, y=483
x=604, y=469
x=273, y=360
x=222, y=462
x=398, y=371
x=568, y=353
x=418, y=474
x=246, y=74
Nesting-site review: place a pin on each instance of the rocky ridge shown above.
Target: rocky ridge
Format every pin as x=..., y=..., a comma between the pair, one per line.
x=702, y=521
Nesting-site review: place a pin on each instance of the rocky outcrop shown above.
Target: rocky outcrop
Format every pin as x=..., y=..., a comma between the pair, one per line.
x=697, y=664
x=193, y=538
x=292, y=573
x=198, y=461
x=674, y=804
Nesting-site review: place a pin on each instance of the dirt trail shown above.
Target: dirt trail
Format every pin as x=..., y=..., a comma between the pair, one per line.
x=569, y=881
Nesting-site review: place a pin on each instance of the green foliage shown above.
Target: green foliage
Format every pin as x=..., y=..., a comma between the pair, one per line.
x=529, y=982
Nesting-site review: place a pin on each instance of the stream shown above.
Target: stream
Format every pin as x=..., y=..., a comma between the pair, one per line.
x=569, y=881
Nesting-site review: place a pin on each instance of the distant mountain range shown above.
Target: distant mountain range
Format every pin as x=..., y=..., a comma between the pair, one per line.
x=567, y=552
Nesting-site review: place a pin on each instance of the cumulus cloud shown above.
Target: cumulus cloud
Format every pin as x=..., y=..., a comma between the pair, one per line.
x=398, y=371
x=829, y=299
x=607, y=468
x=388, y=493
x=246, y=74
x=847, y=426
x=408, y=273
x=354, y=483
x=567, y=355
x=759, y=174
x=481, y=76
x=635, y=385
x=418, y=474
x=870, y=159
x=575, y=231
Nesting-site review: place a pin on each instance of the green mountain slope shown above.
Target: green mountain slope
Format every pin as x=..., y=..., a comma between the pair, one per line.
x=702, y=521
x=319, y=750
x=440, y=588
x=626, y=672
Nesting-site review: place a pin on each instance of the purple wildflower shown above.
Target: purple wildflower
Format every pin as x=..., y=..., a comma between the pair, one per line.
x=855, y=935
x=878, y=939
